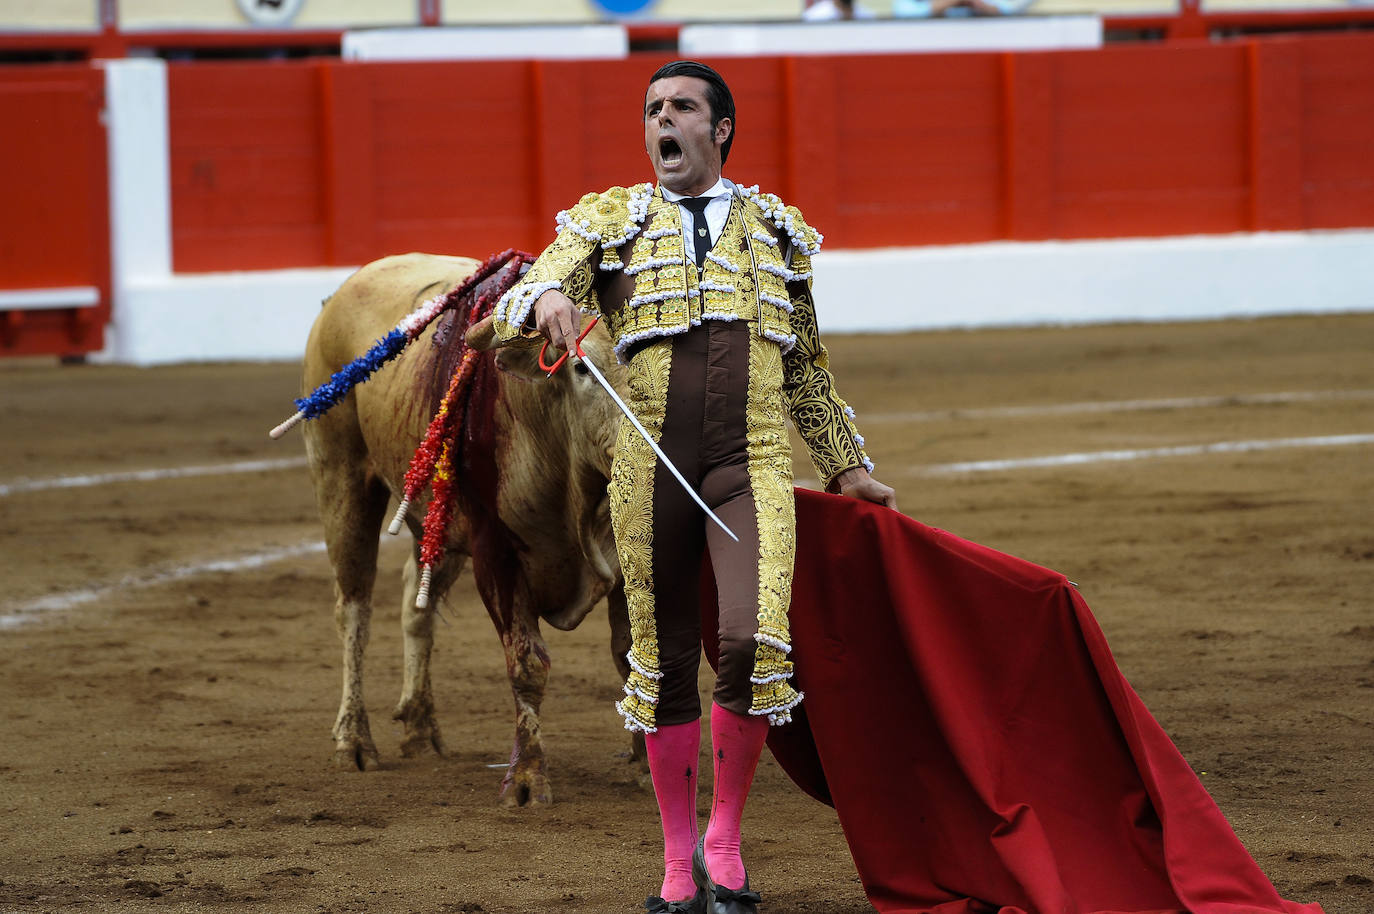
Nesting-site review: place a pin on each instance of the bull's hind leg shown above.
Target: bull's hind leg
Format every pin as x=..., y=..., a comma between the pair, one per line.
x=416, y=707
x=352, y=505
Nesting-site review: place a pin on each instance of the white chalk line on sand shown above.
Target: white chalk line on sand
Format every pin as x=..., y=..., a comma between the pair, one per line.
x=1119, y=406
x=993, y=412
x=1187, y=450
x=17, y=614
x=100, y=479
x=14, y=615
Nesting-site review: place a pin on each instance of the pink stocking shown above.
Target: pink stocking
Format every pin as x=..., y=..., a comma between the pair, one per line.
x=737, y=740
x=673, y=754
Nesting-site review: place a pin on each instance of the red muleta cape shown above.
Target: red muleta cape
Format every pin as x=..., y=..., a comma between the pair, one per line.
x=967, y=721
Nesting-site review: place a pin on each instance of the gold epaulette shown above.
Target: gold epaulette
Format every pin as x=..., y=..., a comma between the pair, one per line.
x=608, y=219
x=805, y=239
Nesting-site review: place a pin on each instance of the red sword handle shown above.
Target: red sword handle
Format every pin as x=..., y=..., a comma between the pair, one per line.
x=564, y=357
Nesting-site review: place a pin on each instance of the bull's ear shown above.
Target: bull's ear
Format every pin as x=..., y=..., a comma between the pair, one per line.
x=521, y=361
x=482, y=335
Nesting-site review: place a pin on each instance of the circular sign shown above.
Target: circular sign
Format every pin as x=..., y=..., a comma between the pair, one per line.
x=623, y=7
x=270, y=12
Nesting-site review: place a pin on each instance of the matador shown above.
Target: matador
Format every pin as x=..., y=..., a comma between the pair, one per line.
x=705, y=287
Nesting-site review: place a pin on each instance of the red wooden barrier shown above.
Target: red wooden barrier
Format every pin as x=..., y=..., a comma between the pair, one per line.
x=1336, y=132
x=328, y=162
x=246, y=167
x=54, y=195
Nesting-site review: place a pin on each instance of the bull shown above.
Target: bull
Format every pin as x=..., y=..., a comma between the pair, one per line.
x=531, y=516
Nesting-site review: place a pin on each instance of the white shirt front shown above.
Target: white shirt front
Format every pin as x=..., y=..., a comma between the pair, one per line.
x=717, y=211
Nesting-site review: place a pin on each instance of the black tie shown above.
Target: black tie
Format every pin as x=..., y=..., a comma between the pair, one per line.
x=701, y=233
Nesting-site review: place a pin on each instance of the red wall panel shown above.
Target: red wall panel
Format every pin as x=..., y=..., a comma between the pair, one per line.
x=764, y=115
x=919, y=153
x=452, y=151
x=54, y=195
x=1150, y=141
x=297, y=164
x=587, y=134
x=53, y=164
x=1337, y=130
x=246, y=153
x=1275, y=166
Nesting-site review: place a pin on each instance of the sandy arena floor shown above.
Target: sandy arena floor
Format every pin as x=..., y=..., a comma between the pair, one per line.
x=167, y=719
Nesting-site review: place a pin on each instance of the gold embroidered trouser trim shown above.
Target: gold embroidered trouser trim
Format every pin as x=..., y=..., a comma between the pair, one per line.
x=631, y=494
x=723, y=422
x=770, y=475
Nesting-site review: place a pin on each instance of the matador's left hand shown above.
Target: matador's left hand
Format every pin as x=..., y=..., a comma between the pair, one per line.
x=856, y=483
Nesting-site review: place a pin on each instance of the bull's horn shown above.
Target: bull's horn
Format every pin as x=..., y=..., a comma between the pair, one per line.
x=482, y=335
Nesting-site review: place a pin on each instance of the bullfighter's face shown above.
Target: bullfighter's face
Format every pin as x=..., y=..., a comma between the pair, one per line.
x=682, y=145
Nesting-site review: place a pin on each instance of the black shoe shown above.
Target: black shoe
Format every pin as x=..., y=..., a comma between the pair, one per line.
x=694, y=905
x=719, y=899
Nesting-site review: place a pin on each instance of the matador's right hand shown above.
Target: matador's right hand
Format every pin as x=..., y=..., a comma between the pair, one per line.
x=557, y=319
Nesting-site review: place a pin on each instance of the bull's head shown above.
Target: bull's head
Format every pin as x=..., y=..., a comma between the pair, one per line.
x=574, y=395
x=575, y=420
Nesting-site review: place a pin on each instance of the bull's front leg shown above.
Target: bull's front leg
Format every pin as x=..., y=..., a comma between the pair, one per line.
x=416, y=708
x=527, y=664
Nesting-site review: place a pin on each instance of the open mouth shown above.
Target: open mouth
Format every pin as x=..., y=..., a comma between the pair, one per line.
x=669, y=152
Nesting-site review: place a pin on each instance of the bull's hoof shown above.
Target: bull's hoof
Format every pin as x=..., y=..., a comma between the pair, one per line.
x=422, y=731
x=353, y=745
x=356, y=756
x=422, y=740
x=525, y=788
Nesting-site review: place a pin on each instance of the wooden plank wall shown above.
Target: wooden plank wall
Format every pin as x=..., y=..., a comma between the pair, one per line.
x=308, y=163
x=55, y=202
x=326, y=162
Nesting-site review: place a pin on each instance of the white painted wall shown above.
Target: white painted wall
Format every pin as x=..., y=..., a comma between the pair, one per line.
x=546, y=42
x=222, y=317
x=51, y=298
x=267, y=315
x=1078, y=282
x=186, y=15
x=903, y=36
x=140, y=168
x=140, y=191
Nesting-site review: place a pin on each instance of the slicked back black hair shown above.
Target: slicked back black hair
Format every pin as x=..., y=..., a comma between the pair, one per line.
x=717, y=94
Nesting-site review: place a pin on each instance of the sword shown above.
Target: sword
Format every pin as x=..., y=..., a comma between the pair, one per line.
x=629, y=414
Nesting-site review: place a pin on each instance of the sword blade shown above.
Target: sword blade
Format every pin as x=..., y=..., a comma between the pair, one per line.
x=654, y=444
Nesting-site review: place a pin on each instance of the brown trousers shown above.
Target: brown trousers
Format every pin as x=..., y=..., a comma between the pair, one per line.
x=705, y=435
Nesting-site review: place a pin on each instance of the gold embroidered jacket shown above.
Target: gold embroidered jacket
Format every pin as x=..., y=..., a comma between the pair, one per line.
x=620, y=254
